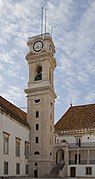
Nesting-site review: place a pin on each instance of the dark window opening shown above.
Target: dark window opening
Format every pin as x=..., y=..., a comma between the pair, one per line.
x=36, y=153
x=35, y=173
x=26, y=169
x=38, y=73
x=75, y=158
x=37, y=140
x=88, y=171
x=37, y=126
x=37, y=100
x=17, y=168
x=79, y=142
x=37, y=114
x=6, y=168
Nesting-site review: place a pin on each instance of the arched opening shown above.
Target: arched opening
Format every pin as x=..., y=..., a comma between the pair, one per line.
x=38, y=75
x=36, y=153
x=60, y=156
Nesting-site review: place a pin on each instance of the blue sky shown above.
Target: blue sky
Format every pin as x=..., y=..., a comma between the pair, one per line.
x=73, y=24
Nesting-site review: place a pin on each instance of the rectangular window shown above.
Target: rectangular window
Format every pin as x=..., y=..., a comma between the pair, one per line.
x=88, y=170
x=6, y=143
x=37, y=140
x=17, y=169
x=5, y=168
x=50, y=116
x=37, y=114
x=37, y=126
x=18, y=147
x=26, y=150
x=26, y=169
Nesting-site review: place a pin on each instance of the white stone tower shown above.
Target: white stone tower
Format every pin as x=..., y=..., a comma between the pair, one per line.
x=40, y=103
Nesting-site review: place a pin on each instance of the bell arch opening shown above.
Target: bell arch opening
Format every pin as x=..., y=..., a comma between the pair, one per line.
x=38, y=73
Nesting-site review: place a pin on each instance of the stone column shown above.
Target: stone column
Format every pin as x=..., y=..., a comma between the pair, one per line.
x=66, y=159
x=88, y=156
x=77, y=157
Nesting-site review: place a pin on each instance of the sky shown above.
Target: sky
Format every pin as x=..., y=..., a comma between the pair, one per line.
x=73, y=24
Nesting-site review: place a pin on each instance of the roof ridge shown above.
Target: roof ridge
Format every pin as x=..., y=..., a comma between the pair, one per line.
x=11, y=104
x=13, y=111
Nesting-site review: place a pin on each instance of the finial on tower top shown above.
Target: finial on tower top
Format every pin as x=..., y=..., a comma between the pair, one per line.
x=71, y=103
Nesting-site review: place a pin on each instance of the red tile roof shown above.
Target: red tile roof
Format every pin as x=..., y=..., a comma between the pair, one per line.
x=13, y=111
x=77, y=117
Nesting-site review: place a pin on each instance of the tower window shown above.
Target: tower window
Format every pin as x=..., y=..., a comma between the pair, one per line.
x=51, y=103
x=50, y=116
x=38, y=73
x=36, y=153
x=37, y=139
x=37, y=100
x=37, y=126
x=37, y=114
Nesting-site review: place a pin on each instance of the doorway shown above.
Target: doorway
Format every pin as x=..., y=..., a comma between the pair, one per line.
x=59, y=156
x=73, y=172
x=35, y=173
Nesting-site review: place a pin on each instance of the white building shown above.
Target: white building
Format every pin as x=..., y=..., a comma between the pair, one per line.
x=31, y=145
x=75, y=135
x=14, y=140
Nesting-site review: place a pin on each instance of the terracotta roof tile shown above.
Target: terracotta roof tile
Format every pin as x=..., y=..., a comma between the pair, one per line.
x=14, y=111
x=77, y=117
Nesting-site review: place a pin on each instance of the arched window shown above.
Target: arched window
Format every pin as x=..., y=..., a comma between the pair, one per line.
x=38, y=73
x=36, y=153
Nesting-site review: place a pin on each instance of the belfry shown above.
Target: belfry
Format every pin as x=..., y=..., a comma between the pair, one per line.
x=40, y=103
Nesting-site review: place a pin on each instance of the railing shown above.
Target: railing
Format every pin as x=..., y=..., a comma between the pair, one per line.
x=91, y=161
x=81, y=162
x=42, y=35
x=85, y=144
x=60, y=144
x=73, y=162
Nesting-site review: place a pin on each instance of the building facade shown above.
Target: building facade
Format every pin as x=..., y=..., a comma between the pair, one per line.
x=75, y=137
x=14, y=140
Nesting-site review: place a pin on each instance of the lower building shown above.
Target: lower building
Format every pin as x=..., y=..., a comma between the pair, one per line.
x=75, y=142
x=14, y=140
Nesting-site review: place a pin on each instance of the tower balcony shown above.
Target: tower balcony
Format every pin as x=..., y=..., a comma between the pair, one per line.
x=44, y=35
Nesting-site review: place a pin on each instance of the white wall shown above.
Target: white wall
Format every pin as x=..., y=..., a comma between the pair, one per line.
x=72, y=139
x=81, y=170
x=13, y=128
x=69, y=139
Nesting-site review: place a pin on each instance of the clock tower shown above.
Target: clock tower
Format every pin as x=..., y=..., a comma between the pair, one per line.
x=40, y=103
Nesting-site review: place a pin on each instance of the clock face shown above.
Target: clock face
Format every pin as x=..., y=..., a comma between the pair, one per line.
x=38, y=45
